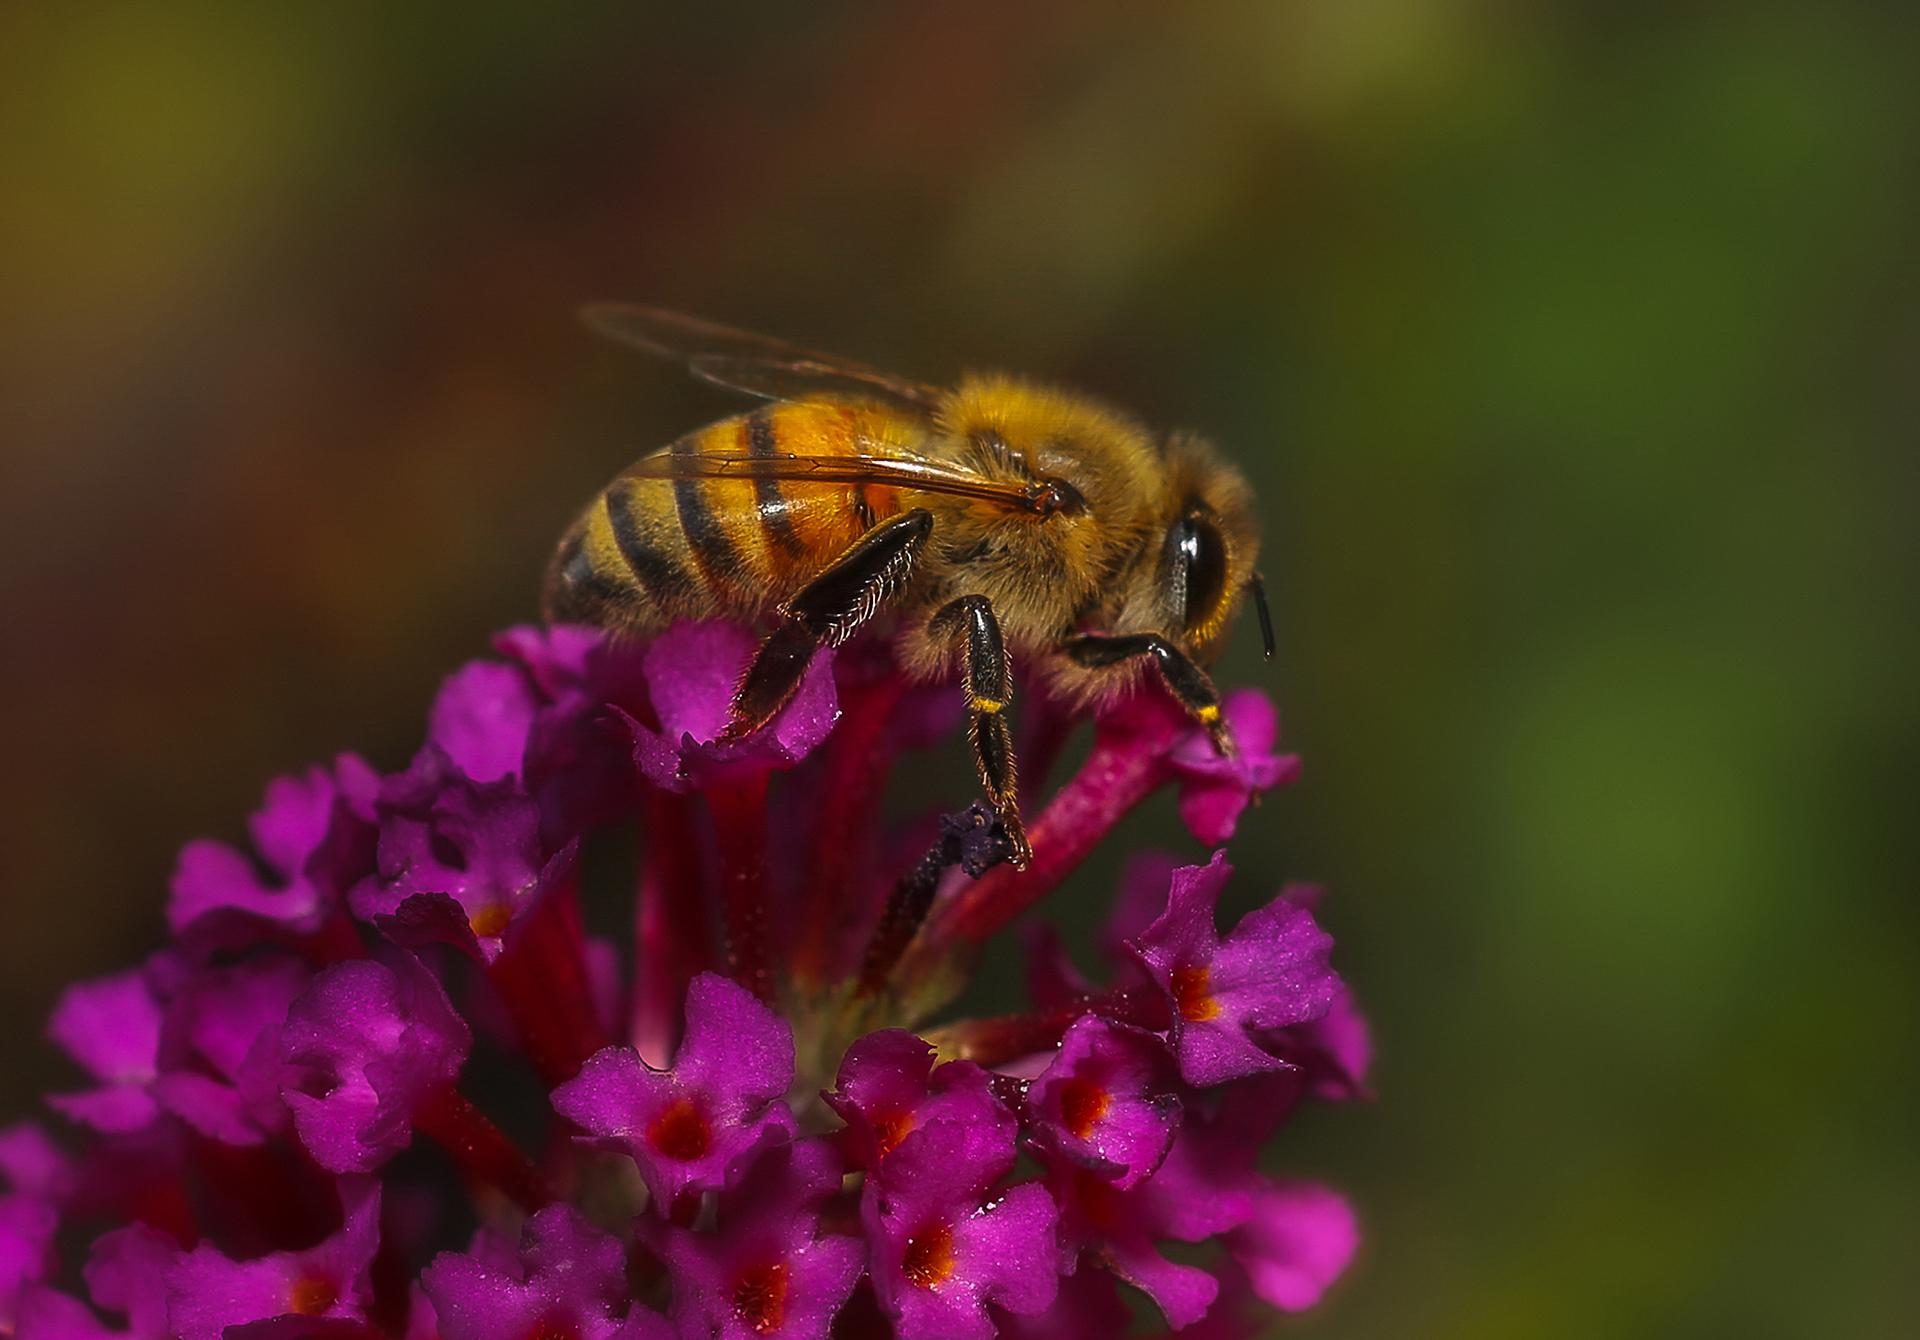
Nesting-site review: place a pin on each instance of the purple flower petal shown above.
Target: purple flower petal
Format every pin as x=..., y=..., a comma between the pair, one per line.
x=889, y=1087
x=362, y=1047
x=939, y=1256
x=1108, y=1100
x=1214, y=790
x=422, y=1324
x=1234, y=1315
x=219, y=1053
x=46, y=1314
x=692, y=670
x=446, y=837
x=32, y=1164
x=312, y=833
x=1270, y=972
x=126, y=1273
x=27, y=1227
x=208, y=1291
x=111, y=1026
x=1332, y=1053
x=1088, y=1305
x=791, y=1291
x=765, y=1271
x=1298, y=1239
x=482, y=717
x=579, y=759
x=784, y=1181
x=557, y=659
x=687, y=1125
x=1204, y=1187
x=569, y=1279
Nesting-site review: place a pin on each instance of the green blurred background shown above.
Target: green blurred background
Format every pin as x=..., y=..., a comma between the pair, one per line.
x=1571, y=347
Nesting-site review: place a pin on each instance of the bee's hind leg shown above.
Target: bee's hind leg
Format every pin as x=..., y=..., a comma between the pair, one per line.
x=826, y=612
x=970, y=623
x=1187, y=682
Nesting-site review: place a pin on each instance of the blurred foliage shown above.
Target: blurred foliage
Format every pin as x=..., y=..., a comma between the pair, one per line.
x=1571, y=347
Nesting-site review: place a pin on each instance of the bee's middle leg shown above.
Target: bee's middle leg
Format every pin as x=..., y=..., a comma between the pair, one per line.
x=826, y=612
x=1187, y=682
x=970, y=623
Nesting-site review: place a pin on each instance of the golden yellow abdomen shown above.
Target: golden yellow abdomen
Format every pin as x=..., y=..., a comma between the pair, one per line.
x=648, y=550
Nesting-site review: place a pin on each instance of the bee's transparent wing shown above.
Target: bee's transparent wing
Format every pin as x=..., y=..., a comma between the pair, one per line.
x=756, y=365
x=895, y=471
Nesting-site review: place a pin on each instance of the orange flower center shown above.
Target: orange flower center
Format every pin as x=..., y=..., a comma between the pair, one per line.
x=889, y=1129
x=491, y=919
x=681, y=1131
x=760, y=1297
x=312, y=1295
x=929, y=1256
x=1193, y=994
x=1082, y=1104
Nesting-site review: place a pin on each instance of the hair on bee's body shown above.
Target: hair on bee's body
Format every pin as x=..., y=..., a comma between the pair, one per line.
x=999, y=520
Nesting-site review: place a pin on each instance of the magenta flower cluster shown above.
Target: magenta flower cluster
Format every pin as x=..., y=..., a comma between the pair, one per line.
x=389, y=1079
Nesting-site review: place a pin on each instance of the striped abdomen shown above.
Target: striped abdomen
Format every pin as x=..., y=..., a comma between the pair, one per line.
x=648, y=551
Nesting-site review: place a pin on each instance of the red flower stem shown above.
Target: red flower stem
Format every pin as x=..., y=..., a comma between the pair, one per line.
x=336, y=942
x=542, y=977
x=389, y=1275
x=1051, y=728
x=996, y=1041
x=673, y=924
x=1011, y=1090
x=277, y=1189
x=1122, y=770
x=857, y=765
x=740, y=826
x=164, y=1205
x=486, y=1157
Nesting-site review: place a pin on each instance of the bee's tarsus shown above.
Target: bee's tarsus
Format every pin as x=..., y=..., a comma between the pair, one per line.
x=1222, y=739
x=1257, y=584
x=1187, y=682
x=1016, y=832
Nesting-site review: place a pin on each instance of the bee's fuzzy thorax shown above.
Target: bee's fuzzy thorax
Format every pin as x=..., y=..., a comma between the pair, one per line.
x=1020, y=429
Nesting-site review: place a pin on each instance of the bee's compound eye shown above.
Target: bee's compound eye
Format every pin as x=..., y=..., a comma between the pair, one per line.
x=1061, y=496
x=1196, y=561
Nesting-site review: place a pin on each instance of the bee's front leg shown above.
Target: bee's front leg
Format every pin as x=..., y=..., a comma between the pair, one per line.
x=988, y=675
x=1187, y=682
x=826, y=612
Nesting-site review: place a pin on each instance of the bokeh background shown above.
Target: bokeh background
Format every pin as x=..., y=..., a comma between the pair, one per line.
x=1571, y=346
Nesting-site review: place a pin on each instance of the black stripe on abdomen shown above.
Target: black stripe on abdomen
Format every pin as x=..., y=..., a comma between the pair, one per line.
x=712, y=548
x=771, y=502
x=668, y=585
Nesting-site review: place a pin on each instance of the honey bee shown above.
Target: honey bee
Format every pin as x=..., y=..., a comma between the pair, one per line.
x=996, y=520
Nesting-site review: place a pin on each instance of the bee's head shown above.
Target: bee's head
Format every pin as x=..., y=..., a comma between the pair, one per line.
x=1199, y=558
x=1157, y=535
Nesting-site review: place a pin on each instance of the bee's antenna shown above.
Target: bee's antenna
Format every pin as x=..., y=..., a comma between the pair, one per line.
x=1259, y=589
